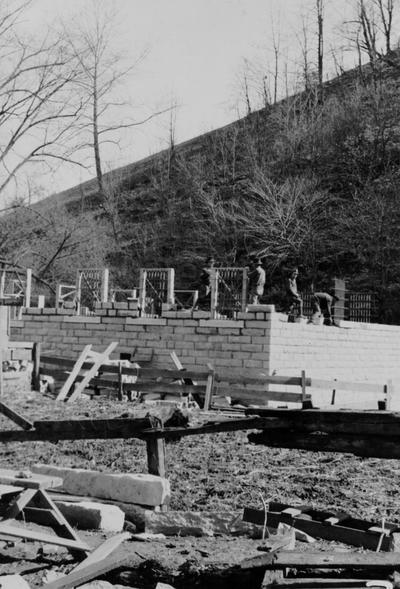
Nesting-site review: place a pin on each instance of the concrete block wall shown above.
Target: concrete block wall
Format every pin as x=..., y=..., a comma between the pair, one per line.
x=255, y=342
x=230, y=346
x=363, y=352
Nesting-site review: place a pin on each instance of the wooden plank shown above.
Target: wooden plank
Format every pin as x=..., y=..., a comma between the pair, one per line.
x=371, y=446
x=75, y=371
x=22, y=532
x=317, y=583
x=338, y=533
x=103, y=551
x=360, y=387
x=254, y=394
x=92, y=571
x=323, y=560
x=261, y=379
x=56, y=373
x=159, y=387
x=58, y=361
x=18, y=345
x=92, y=371
x=19, y=503
x=15, y=417
x=93, y=428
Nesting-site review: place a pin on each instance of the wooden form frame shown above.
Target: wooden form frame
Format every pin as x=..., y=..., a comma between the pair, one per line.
x=255, y=389
x=243, y=388
x=32, y=502
x=328, y=525
x=179, y=383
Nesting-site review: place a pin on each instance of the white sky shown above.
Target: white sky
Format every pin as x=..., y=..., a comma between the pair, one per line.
x=196, y=53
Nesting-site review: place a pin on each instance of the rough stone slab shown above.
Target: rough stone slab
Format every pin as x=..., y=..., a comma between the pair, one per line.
x=142, y=489
x=196, y=523
x=13, y=582
x=88, y=515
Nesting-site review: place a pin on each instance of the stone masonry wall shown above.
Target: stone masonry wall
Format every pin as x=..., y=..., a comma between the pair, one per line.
x=256, y=342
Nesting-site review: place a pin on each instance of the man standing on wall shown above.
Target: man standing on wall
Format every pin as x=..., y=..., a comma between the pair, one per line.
x=295, y=302
x=256, y=282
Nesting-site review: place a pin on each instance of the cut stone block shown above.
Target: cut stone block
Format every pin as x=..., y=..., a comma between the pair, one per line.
x=88, y=515
x=13, y=582
x=142, y=489
x=260, y=308
x=196, y=523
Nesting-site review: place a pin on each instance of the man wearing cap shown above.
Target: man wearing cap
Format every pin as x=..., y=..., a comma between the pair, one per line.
x=256, y=281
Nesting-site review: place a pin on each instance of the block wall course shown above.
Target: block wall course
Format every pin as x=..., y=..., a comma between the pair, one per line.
x=352, y=352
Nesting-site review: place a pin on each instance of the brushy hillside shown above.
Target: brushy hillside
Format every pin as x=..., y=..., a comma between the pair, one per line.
x=313, y=181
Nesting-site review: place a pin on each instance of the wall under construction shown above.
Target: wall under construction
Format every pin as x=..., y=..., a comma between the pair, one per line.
x=255, y=342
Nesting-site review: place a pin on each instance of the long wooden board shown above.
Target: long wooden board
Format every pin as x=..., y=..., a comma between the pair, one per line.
x=22, y=532
x=323, y=560
x=92, y=371
x=92, y=571
x=15, y=417
x=74, y=373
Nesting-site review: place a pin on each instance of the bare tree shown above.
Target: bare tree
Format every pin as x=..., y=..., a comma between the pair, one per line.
x=102, y=74
x=37, y=107
x=319, y=6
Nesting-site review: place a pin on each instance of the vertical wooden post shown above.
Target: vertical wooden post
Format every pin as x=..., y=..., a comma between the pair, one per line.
x=142, y=290
x=28, y=288
x=303, y=389
x=156, y=456
x=244, y=289
x=120, y=383
x=58, y=296
x=209, y=388
x=41, y=301
x=389, y=395
x=170, y=286
x=78, y=291
x=339, y=287
x=36, y=366
x=214, y=275
x=104, y=286
x=1, y=373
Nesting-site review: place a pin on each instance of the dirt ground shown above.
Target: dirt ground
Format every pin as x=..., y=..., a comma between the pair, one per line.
x=217, y=472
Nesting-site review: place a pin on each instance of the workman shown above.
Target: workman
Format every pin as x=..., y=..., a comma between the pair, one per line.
x=295, y=302
x=322, y=303
x=256, y=281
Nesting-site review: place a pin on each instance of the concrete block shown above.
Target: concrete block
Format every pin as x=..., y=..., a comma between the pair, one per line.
x=146, y=321
x=221, y=323
x=142, y=489
x=196, y=523
x=13, y=582
x=88, y=515
x=260, y=308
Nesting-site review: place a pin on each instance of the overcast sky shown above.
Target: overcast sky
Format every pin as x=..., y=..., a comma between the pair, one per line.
x=197, y=51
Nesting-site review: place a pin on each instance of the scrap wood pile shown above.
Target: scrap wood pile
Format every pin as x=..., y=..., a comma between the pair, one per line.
x=203, y=549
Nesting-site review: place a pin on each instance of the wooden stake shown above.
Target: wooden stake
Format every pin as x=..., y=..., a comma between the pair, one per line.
x=36, y=366
x=156, y=456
